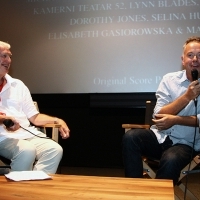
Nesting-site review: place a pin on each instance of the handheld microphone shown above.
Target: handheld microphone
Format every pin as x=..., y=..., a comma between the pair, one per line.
x=8, y=123
x=195, y=76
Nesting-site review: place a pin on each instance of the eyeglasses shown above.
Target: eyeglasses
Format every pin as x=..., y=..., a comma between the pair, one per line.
x=192, y=55
x=5, y=56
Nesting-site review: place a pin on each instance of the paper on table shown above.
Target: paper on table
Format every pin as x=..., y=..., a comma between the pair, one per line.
x=27, y=175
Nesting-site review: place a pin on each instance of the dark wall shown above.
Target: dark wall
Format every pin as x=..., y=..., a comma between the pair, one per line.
x=95, y=122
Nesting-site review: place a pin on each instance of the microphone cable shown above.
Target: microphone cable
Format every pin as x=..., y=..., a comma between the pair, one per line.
x=35, y=134
x=8, y=123
x=191, y=157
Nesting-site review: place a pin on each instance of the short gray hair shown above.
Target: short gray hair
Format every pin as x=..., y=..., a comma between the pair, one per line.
x=191, y=39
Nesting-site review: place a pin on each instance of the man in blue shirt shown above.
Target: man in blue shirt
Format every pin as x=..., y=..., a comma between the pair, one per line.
x=173, y=138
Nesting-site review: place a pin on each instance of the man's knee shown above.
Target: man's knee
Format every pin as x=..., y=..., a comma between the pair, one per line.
x=55, y=150
x=131, y=136
x=59, y=150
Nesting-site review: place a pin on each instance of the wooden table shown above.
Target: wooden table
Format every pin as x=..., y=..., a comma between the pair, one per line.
x=69, y=187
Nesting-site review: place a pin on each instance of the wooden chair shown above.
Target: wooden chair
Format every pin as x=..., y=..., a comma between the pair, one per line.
x=4, y=168
x=147, y=162
x=4, y=163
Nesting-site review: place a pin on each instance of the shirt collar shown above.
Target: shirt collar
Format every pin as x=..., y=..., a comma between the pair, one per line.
x=11, y=82
x=182, y=76
x=9, y=79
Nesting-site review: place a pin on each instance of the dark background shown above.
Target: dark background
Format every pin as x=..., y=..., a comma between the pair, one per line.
x=95, y=122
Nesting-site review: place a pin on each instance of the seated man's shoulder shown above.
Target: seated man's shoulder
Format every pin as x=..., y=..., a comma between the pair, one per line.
x=172, y=75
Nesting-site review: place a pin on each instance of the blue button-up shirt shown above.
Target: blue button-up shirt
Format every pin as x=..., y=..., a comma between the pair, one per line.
x=172, y=86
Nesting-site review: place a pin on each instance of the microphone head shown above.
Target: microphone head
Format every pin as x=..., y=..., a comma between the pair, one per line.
x=8, y=123
x=195, y=74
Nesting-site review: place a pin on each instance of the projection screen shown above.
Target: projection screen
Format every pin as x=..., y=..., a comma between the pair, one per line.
x=85, y=46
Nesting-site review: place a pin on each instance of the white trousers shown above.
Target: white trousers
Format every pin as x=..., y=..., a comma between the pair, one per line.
x=32, y=154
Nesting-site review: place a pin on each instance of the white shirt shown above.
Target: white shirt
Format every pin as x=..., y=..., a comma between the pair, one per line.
x=16, y=101
x=172, y=86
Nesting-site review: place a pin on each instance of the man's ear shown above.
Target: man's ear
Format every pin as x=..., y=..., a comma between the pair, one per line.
x=182, y=60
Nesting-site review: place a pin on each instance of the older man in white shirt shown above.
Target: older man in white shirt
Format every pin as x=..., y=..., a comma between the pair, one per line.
x=25, y=146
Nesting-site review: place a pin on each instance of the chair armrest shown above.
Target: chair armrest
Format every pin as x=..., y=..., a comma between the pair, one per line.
x=129, y=126
x=5, y=166
x=51, y=126
x=55, y=131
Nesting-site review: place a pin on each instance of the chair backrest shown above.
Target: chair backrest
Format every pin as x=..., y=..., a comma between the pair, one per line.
x=36, y=105
x=149, y=112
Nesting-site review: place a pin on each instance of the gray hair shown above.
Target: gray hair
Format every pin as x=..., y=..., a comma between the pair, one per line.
x=4, y=45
